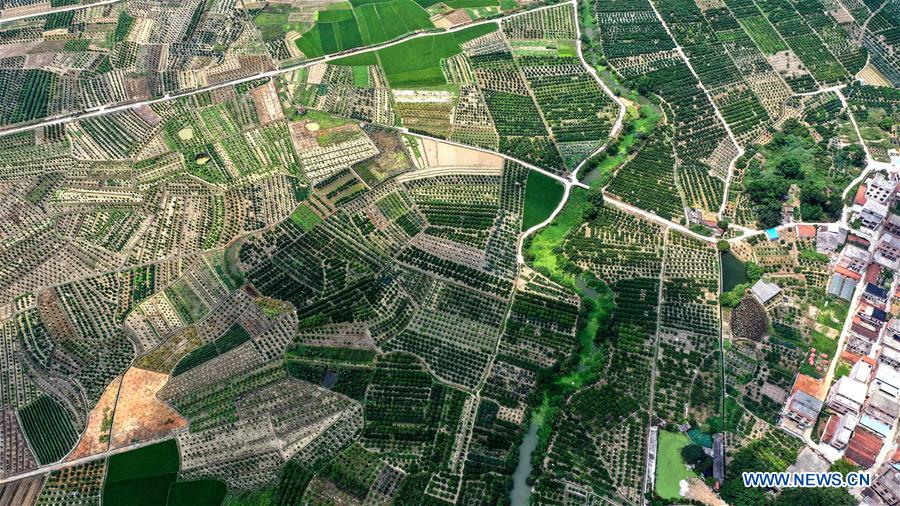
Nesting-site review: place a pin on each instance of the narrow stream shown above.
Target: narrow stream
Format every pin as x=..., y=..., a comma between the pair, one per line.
x=521, y=492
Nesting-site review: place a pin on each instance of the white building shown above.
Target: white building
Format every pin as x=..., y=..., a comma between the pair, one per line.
x=880, y=189
x=887, y=379
x=847, y=395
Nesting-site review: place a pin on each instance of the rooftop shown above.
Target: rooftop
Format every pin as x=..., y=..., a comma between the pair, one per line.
x=864, y=447
x=806, y=230
x=765, y=291
x=805, y=405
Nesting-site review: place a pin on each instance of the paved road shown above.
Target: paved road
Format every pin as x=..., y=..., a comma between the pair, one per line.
x=102, y=455
x=615, y=202
x=9, y=19
x=103, y=110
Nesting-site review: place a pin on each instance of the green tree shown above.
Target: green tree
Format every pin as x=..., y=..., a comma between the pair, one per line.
x=815, y=497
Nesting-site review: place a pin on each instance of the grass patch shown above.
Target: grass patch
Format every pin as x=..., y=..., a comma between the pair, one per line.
x=833, y=314
x=842, y=369
x=540, y=251
x=326, y=121
x=274, y=22
x=305, y=217
x=360, y=76
x=670, y=468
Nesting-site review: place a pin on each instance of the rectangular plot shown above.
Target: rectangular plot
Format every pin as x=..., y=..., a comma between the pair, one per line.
x=347, y=32
x=371, y=27
x=763, y=34
x=328, y=37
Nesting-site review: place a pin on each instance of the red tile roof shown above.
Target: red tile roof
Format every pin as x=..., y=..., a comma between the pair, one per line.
x=862, y=331
x=847, y=272
x=850, y=357
x=806, y=230
x=858, y=240
x=860, y=197
x=830, y=427
x=864, y=447
x=872, y=272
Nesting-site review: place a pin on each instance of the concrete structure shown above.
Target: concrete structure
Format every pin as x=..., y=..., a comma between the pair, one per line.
x=766, y=293
x=828, y=238
x=876, y=294
x=886, y=486
x=889, y=356
x=855, y=261
x=880, y=189
x=882, y=407
x=842, y=286
x=875, y=426
x=891, y=337
x=872, y=217
x=803, y=409
x=847, y=395
x=887, y=252
x=892, y=225
x=839, y=430
x=887, y=379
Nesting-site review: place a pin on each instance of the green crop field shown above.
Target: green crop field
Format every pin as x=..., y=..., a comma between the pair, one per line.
x=48, y=429
x=762, y=33
x=358, y=60
x=232, y=338
x=462, y=4
x=350, y=26
x=196, y=493
x=143, y=476
x=542, y=195
x=417, y=62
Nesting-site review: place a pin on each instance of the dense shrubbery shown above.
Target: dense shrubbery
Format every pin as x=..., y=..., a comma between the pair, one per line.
x=793, y=158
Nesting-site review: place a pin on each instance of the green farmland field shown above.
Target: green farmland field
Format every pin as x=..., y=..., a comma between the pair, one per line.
x=542, y=195
x=143, y=476
x=365, y=24
x=417, y=62
x=763, y=34
x=196, y=493
x=232, y=338
x=48, y=429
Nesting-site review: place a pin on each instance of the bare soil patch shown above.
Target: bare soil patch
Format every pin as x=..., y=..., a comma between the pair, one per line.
x=140, y=416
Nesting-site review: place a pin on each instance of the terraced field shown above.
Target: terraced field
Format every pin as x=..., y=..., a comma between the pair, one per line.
x=420, y=252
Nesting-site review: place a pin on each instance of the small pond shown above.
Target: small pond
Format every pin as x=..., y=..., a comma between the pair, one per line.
x=733, y=271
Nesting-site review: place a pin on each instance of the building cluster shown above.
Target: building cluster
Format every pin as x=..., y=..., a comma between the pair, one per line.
x=856, y=416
